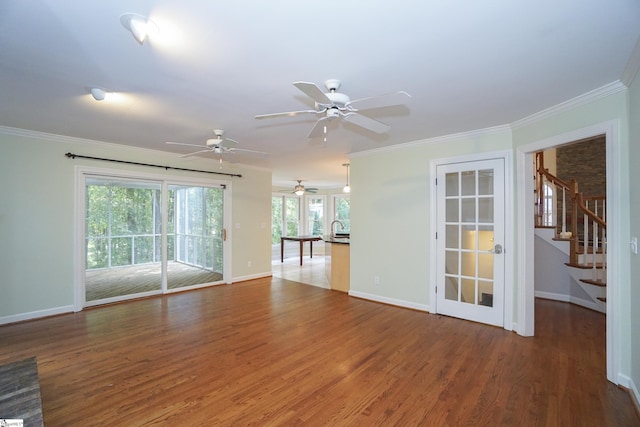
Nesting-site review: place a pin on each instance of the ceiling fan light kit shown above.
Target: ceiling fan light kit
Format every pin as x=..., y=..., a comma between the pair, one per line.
x=300, y=189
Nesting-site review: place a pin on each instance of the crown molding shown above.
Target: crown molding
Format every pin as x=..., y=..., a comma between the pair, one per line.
x=52, y=137
x=586, y=98
x=633, y=66
x=435, y=140
x=26, y=133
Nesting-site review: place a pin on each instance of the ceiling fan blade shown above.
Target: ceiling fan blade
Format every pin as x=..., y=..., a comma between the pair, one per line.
x=311, y=190
x=246, y=151
x=314, y=92
x=229, y=140
x=379, y=101
x=182, y=143
x=194, y=153
x=286, y=114
x=318, y=129
x=366, y=122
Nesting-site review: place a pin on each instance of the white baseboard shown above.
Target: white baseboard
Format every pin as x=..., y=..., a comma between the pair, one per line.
x=552, y=296
x=628, y=383
x=250, y=277
x=568, y=298
x=390, y=301
x=36, y=314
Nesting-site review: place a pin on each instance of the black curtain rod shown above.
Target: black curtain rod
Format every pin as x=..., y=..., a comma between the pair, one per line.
x=73, y=156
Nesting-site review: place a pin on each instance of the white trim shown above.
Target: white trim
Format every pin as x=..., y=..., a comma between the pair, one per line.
x=509, y=216
x=585, y=98
x=568, y=298
x=526, y=239
x=36, y=314
x=628, y=383
x=390, y=301
x=526, y=288
x=436, y=140
x=633, y=66
x=250, y=277
x=194, y=287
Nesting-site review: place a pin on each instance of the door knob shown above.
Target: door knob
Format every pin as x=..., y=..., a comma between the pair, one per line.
x=497, y=249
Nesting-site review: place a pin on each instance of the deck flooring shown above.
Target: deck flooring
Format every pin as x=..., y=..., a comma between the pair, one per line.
x=130, y=280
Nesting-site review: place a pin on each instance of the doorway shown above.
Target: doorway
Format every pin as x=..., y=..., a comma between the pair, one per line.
x=525, y=230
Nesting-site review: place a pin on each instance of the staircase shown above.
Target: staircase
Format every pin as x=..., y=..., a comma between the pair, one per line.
x=572, y=228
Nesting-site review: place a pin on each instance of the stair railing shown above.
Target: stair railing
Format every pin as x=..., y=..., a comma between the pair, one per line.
x=594, y=231
x=592, y=209
x=547, y=203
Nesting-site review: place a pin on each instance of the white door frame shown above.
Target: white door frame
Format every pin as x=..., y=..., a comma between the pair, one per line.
x=525, y=279
x=509, y=214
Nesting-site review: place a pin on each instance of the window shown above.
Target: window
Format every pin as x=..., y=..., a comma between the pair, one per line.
x=285, y=217
x=315, y=215
x=341, y=212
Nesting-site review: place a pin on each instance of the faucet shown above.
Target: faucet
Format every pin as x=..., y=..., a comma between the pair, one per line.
x=333, y=234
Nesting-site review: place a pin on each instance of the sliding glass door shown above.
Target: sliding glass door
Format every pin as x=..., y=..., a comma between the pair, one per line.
x=195, y=233
x=122, y=238
x=145, y=237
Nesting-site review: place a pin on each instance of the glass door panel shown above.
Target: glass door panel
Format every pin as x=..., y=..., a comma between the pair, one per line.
x=469, y=202
x=194, y=236
x=122, y=239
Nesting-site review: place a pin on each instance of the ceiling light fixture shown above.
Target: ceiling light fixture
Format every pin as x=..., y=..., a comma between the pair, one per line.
x=299, y=192
x=98, y=94
x=347, y=188
x=138, y=25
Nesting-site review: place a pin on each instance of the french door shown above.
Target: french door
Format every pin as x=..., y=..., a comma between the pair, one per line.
x=470, y=238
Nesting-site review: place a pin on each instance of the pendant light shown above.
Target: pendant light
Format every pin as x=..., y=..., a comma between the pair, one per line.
x=347, y=188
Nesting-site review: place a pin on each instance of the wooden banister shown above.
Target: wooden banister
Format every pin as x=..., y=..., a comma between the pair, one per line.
x=593, y=237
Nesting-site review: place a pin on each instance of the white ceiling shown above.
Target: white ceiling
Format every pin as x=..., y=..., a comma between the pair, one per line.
x=467, y=65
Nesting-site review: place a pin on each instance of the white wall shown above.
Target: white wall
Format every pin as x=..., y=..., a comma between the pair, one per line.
x=634, y=212
x=390, y=211
x=37, y=216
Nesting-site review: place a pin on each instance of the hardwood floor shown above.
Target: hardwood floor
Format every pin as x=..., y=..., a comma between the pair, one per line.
x=275, y=352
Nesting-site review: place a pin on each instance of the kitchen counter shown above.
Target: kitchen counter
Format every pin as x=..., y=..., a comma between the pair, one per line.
x=337, y=262
x=337, y=239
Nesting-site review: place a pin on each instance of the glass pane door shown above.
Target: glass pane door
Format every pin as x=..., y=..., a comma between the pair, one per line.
x=470, y=237
x=194, y=236
x=122, y=239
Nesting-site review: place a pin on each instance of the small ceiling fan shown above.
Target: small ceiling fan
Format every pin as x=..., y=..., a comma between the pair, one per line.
x=217, y=145
x=333, y=104
x=300, y=189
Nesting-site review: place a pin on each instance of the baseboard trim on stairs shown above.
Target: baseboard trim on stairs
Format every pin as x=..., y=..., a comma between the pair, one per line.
x=568, y=298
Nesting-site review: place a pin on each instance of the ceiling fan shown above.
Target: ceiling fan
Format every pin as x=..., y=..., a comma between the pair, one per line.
x=217, y=145
x=300, y=189
x=333, y=104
